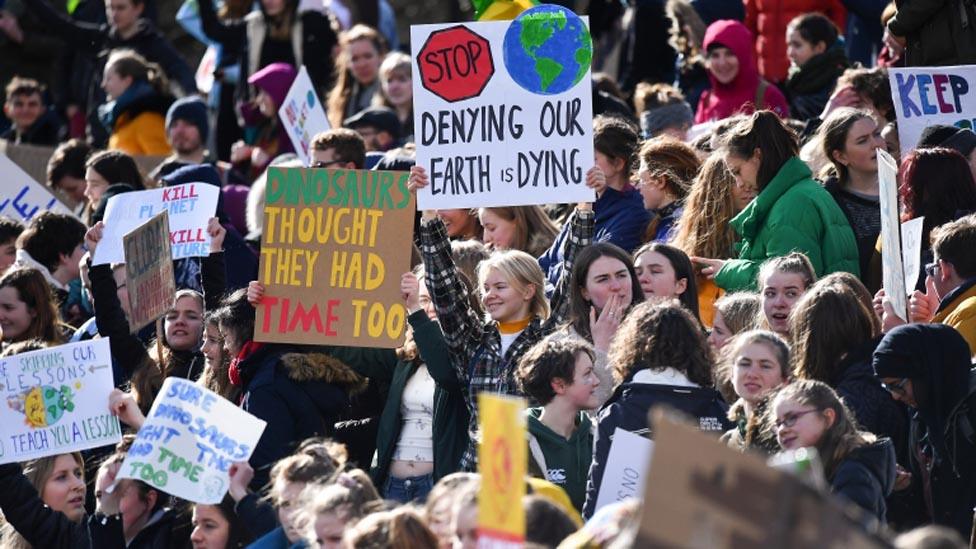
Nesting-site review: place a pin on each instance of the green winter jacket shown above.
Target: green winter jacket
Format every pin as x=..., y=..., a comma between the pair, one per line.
x=793, y=213
x=565, y=463
x=450, y=429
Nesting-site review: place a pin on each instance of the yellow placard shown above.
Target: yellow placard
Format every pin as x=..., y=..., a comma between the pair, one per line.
x=502, y=462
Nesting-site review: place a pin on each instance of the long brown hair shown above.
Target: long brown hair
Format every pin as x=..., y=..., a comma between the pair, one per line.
x=833, y=137
x=38, y=472
x=342, y=91
x=534, y=231
x=828, y=322
x=842, y=437
x=764, y=130
x=579, y=307
x=703, y=229
x=128, y=63
x=658, y=335
x=35, y=292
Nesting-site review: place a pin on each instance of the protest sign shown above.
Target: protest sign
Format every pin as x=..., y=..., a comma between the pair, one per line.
x=503, y=110
x=701, y=493
x=911, y=249
x=189, y=441
x=302, y=115
x=627, y=462
x=190, y=208
x=57, y=401
x=149, y=271
x=892, y=270
x=502, y=462
x=924, y=96
x=32, y=159
x=21, y=196
x=334, y=245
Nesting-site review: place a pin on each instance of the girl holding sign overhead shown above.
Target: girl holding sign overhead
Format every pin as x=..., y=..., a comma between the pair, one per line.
x=485, y=352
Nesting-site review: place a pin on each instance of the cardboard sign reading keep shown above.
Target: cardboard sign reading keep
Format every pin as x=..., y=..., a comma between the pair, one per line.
x=924, y=96
x=190, y=208
x=189, y=441
x=149, y=271
x=334, y=245
x=56, y=401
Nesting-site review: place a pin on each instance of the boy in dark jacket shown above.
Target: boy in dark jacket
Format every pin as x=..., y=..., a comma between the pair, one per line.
x=558, y=373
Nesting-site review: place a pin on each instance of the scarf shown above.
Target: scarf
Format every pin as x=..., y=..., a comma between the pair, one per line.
x=109, y=113
x=234, y=370
x=819, y=72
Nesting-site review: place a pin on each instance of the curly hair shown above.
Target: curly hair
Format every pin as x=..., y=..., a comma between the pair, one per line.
x=554, y=357
x=658, y=335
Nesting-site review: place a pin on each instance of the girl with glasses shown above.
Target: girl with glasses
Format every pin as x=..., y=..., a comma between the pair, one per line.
x=859, y=466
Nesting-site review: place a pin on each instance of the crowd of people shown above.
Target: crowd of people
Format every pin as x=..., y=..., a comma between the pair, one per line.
x=729, y=267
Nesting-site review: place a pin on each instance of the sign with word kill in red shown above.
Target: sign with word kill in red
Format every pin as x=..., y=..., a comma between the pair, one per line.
x=190, y=208
x=503, y=111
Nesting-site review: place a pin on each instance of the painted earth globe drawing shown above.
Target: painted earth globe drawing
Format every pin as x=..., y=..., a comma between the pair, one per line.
x=547, y=49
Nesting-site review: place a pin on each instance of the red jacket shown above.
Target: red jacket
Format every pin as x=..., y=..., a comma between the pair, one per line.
x=767, y=19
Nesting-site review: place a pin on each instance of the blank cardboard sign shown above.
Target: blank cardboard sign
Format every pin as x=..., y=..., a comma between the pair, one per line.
x=701, y=494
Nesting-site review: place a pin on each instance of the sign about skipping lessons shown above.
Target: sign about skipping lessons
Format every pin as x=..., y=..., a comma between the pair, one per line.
x=190, y=439
x=924, y=96
x=190, y=208
x=334, y=245
x=57, y=401
x=149, y=271
x=503, y=111
x=302, y=115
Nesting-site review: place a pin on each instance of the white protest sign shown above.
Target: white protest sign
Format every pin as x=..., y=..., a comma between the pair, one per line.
x=189, y=441
x=503, y=110
x=190, y=208
x=924, y=96
x=21, y=197
x=57, y=401
x=302, y=115
x=627, y=463
x=911, y=251
x=892, y=270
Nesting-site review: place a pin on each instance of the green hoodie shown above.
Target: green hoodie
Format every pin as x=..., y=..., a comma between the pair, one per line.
x=562, y=462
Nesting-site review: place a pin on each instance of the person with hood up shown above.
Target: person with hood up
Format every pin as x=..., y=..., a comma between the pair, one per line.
x=264, y=137
x=928, y=367
x=138, y=100
x=737, y=87
x=279, y=32
x=125, y=28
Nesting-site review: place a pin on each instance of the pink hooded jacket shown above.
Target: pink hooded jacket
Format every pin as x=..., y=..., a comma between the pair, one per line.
x=738, y=96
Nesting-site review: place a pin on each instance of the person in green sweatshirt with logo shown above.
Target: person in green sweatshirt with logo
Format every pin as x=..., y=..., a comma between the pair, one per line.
x=558, y=373
x=791, y=213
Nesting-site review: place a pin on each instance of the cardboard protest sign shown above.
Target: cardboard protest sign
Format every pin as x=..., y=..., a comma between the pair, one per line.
x=57, y=401
x=503, y=110
x=149, y=271
x=626, y=468
x=700, y=493
x=911, y=249
x=190, y=208
x=302, y=115
x=32, y=159
x=334, y=245
x=502, y=462
x=21, y=196
x=189, y=441
x=924, y=96
x=892, y=270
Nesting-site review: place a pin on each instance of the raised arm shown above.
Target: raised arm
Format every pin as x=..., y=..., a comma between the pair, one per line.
x=212, y=268
x=428, y=336
x=86, y=36
x=580, y=236
x=23, y=509
x=229, y=33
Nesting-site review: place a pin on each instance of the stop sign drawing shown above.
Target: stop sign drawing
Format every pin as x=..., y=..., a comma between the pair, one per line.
x=455, y=64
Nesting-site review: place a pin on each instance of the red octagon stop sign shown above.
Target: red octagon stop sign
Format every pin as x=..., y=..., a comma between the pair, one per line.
x=455, y=63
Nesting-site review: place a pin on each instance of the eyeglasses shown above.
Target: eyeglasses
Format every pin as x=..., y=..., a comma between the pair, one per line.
x=790, y=419
x=896, y=387
x=321, y=164
x=931, y=268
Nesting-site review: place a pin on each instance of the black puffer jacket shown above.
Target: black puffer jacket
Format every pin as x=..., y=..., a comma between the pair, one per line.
x=938, y=32
x=866, y=477
x=300, y=395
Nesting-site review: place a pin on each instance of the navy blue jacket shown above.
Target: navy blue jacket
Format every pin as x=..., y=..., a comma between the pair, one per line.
x=866, y=477
x=628, y=408
x=620, y=219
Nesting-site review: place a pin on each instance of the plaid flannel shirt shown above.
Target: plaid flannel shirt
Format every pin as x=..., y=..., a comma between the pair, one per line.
x=475, y=342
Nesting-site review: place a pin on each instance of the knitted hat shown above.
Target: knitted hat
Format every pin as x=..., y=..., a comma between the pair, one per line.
x=940, y=135
x=193, y=110
x=275, y=80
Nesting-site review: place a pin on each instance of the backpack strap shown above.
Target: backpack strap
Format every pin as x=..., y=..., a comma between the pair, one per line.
x=760, y=101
